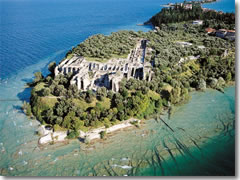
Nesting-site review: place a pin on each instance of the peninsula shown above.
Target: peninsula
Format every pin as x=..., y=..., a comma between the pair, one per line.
x=110, y=82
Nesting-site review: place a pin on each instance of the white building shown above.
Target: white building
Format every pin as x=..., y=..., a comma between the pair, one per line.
x=198, y=22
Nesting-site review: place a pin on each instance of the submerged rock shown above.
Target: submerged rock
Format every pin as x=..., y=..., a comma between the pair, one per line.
x=3, y=171
x=126, y=167
x=125, y=159
x=20, y=152
x=143, y=164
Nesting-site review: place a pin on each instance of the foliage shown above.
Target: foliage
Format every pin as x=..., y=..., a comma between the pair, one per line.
x=102, y=134
x=55, y=101
x=100, y=47
x=73, y=134
x=51, y=67
x=38, y=77
x=27, y=108
x=179, y=13
x=46, y=92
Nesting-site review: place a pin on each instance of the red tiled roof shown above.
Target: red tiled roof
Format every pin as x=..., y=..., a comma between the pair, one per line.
x=222, y=30
x=209, y=30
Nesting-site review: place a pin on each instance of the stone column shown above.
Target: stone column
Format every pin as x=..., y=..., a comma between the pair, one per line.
x=150, y=76
x=84, y=85
x=56, y=71
x=117, y=86
x=78, y=83
x=144, y=74
x=113, y=86
x=134, y=72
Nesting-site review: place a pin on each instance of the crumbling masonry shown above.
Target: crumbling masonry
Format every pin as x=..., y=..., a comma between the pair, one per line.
x=91, y=75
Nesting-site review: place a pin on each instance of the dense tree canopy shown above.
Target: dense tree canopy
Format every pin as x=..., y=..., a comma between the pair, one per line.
x=179, y=13
x=99, y=46
x=55, y=101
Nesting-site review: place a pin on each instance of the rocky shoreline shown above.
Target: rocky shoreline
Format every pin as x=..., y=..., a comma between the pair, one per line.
x=48, y=136
x=202, y=2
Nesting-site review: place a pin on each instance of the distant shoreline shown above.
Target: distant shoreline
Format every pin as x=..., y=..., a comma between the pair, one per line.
x=202, y=2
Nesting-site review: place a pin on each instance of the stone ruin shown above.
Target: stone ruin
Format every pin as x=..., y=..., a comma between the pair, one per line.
x=89, y=75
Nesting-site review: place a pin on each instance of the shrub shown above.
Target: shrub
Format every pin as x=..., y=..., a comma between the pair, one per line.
x=102, y=134
x=29, y=111
x=38, y=77
x=27, y=108
x=46, y=92
x=51, y=67
x=73, y=134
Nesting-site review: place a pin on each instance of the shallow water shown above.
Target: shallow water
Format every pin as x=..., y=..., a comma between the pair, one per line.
x=33, y=33
x=201, y=143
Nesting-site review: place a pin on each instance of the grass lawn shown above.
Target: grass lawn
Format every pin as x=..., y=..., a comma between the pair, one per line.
x=39, y=87
x=83, y=105
x=50, y=102
x=94, y=59
x=103, y=60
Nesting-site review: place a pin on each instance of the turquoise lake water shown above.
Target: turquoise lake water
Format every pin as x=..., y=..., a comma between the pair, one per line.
x=33, y=33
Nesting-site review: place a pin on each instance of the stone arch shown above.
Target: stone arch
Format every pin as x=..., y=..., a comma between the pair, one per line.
x=132, y=72
x=126, y=67
x=90, y=66
x=105, y=67
x=82, y=85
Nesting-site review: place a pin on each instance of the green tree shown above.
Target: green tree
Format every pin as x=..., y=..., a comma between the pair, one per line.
x=77, y=123
x=29, y=110
x=102, y=134
x=73, y=134
x=67, y=122
x=124, y=92
x=51, y=67
x=59, y=120
x=158, y=103
x=38, y=77
x=46, y=92
x=50, y=116
x=229, y=77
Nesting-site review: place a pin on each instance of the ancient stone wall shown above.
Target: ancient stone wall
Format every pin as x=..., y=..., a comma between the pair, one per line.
x=107, y=74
